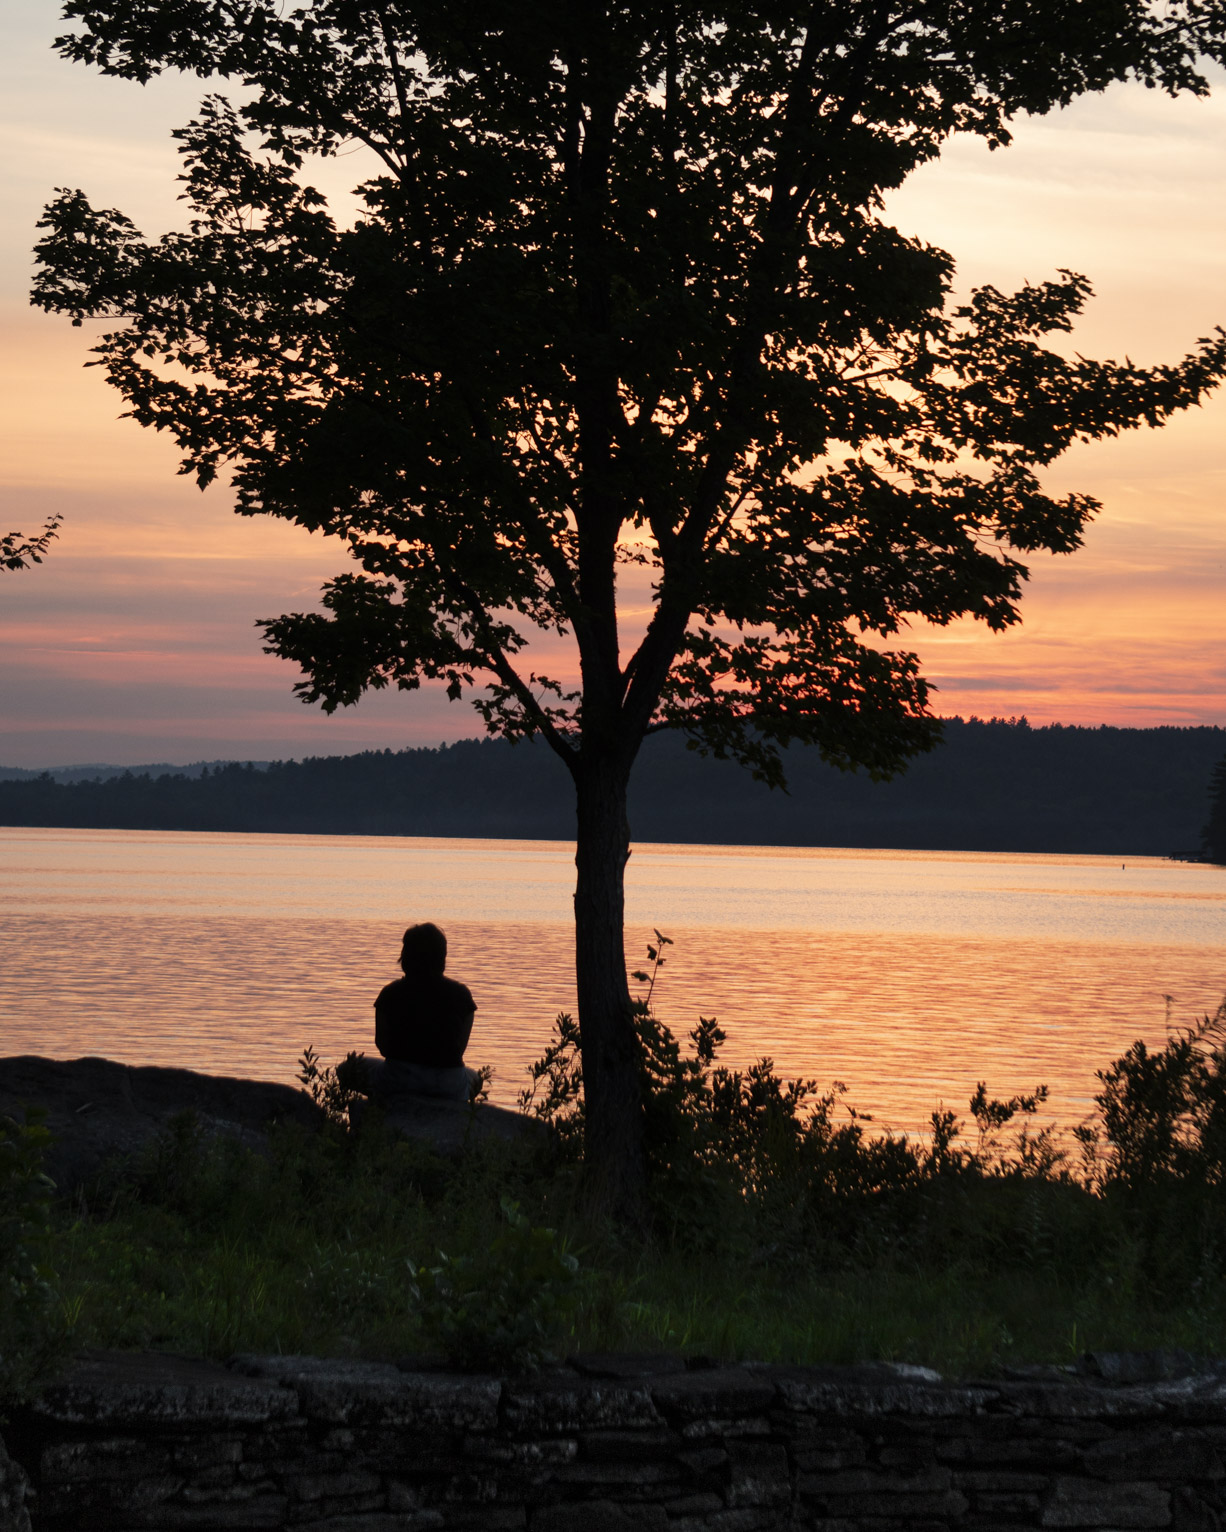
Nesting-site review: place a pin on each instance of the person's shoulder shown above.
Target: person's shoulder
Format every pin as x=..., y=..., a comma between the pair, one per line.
x=391, y=992
x=458, y=994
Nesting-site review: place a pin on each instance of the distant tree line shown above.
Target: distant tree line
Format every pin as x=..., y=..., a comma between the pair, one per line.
x=1213, y=836
x=995, y=785
x=98, y=772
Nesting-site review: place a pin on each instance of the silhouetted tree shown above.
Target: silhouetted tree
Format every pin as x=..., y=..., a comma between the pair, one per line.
x=19, y=552
x=1213, y=836
x=619, y=304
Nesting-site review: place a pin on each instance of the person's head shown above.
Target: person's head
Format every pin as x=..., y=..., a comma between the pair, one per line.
x=423, y=953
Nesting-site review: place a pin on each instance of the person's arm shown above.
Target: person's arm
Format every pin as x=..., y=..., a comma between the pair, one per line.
x=384, y=1028
x=457, y=1020
x=464, y=1026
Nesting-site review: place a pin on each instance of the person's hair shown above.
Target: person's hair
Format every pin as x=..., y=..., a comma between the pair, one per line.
x=423, y=952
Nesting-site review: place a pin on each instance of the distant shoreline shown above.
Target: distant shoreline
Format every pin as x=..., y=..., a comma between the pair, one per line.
x=641, y=844
x=997, y=786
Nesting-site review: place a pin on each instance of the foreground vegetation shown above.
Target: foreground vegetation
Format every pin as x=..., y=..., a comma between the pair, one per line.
x=780, y=1228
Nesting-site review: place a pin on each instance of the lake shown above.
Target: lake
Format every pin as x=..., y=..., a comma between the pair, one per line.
x=908, y=975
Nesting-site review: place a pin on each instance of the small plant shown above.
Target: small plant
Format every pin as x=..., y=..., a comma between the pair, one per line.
x=333, y=1088
x=555, y=1090
x=1032, y=1153
x=510, y=1307
x=655, y=956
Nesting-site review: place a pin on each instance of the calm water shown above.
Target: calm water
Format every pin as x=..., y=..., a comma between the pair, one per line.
x=908, y=975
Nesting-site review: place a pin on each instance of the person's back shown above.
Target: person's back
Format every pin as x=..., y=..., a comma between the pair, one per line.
x=423, y=1023
x=424, y=1020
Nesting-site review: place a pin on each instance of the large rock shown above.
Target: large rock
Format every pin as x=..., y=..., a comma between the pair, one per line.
x=98, y=1109
x=451, y=1126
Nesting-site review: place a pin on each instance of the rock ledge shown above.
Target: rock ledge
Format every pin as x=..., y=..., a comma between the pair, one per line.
x=98, y=1109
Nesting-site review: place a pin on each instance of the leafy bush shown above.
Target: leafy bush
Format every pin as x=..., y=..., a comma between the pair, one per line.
x=509, y=1307
x=1163, y=1113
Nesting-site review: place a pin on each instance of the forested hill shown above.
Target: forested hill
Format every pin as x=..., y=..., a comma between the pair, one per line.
x=990, y=786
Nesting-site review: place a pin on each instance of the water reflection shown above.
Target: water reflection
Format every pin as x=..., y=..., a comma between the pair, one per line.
x=908, y=976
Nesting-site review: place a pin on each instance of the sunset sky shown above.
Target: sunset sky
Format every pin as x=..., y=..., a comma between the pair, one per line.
x=134, y=641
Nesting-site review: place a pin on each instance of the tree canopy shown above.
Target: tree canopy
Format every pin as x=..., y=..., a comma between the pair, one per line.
x=620, y=306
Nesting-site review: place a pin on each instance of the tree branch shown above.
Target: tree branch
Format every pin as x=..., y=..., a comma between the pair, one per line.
x=498, y=661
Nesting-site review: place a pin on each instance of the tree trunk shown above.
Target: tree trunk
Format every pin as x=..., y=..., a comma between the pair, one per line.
x=613, y=1152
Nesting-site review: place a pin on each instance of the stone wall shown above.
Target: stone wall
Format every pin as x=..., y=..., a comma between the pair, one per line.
x=611, y=1444
x=14, y=1517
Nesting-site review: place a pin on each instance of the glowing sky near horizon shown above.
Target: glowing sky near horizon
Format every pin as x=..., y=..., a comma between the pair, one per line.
x=134, y=640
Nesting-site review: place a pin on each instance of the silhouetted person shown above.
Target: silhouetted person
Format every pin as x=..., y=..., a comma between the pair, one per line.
x=423, y=1023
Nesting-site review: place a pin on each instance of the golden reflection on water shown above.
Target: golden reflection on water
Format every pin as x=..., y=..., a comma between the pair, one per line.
x=909, y=977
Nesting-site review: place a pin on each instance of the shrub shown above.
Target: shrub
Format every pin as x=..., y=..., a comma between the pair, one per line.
x=1162, y=1113
x=510, y=1307
x=334, y=1088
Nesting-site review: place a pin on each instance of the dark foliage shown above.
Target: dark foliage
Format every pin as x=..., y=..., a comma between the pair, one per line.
x=507, y=1307
x=1163, y=1113
x=789, y=1175
x=771, y=1200
x=1213, y=836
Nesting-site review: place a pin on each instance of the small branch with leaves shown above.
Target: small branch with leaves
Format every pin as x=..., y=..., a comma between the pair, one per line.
x=19, y=552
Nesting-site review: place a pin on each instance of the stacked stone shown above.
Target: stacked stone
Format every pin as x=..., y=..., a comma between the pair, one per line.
x=14, y=1517
x=612, y=1444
